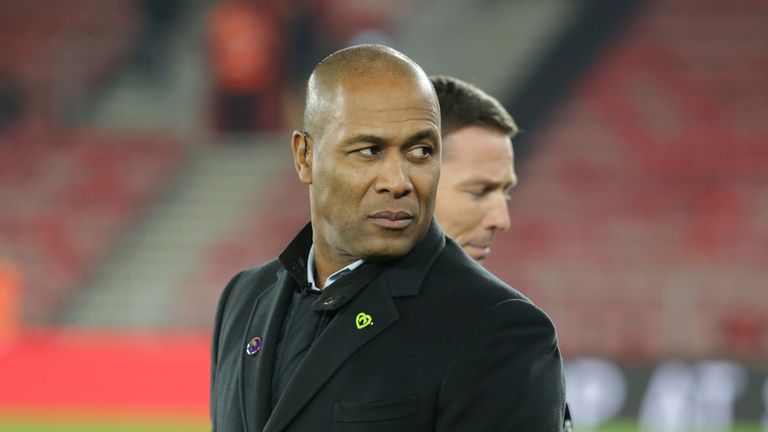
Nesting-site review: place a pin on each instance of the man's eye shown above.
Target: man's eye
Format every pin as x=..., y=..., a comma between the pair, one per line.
x=420, y=152
x=369, y=151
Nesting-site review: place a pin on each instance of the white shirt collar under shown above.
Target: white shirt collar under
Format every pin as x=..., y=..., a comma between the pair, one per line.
x=333, y=277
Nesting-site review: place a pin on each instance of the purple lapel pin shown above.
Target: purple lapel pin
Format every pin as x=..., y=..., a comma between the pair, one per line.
x=254, y=346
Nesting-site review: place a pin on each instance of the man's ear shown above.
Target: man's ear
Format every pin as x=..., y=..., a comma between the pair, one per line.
x=301, y=145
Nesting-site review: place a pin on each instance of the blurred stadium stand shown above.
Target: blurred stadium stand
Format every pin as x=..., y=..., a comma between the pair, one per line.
x=73, y=192
x=145, y=279
x=53, y=53
x=67, y=191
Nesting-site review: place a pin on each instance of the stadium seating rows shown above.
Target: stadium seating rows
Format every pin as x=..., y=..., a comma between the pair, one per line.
x=66, y=197
x=53, y=51
x=67, y=194
x=260, y=235
x=640, y=220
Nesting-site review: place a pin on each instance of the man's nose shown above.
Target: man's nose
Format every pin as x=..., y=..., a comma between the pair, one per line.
x=498, y=214
x=394, y=178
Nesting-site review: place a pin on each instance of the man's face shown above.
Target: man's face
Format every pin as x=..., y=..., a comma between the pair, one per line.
x=375, y=168
x=477, y=174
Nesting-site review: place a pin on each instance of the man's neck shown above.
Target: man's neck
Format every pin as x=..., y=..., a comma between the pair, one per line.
x=327, y=263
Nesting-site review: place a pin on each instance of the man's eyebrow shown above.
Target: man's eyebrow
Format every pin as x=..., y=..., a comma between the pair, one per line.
x=487, y=182
x=366, y=138
x=427, y=134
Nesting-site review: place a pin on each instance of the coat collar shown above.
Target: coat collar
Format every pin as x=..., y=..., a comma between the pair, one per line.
x=294, y=257
x=413, y=266
x=409, y=267
x=294, y=261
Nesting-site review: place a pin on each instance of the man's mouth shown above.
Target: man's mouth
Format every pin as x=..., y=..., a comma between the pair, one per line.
x=396, y=220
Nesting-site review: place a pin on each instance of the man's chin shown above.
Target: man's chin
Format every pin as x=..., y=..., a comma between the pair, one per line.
x=388, y=249
x=477, y=253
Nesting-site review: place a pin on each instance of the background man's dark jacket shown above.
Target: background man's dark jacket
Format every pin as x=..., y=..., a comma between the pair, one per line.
x=450, y=348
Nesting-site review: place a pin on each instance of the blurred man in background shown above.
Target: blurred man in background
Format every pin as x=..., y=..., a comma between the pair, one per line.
x=477, y=170
x=478, y=165
x=244, y=44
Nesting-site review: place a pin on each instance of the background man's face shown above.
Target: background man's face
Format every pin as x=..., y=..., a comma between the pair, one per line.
x=477, y=174
x=376, y=167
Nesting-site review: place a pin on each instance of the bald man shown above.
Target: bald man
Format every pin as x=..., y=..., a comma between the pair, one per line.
x=478, y=165
x=371, y=319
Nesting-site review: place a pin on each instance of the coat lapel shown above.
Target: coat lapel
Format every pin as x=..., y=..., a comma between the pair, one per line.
x=266, y=322
x=345, y=334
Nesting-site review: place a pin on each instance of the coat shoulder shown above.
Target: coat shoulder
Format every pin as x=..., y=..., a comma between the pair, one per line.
x=455, y=269
x=247, y=285
x=460, y=281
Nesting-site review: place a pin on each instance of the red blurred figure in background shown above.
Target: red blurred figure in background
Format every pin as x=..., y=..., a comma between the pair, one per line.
x=244, y=49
